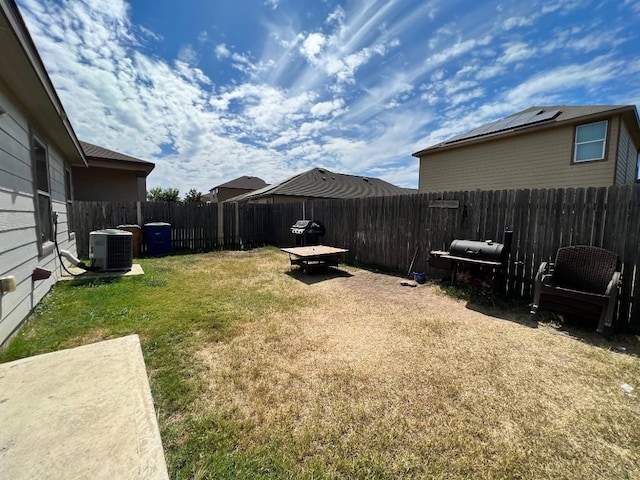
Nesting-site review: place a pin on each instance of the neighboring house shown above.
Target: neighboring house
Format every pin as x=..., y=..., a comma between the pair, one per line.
x=111, y=176
x=233, y=188
x=38, y=149
x=541, y=147
x=321, y=183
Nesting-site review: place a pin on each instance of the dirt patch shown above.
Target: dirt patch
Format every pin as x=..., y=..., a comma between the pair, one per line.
x=417, y=382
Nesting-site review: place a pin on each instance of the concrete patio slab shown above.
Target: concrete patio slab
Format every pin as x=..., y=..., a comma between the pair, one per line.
x=85, y=412
x=79, y=273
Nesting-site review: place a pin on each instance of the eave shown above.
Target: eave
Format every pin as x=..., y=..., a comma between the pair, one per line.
x=628, y=112
x=23, y=73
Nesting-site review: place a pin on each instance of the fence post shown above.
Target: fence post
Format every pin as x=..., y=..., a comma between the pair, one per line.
x=220, y=225
x=139, y=212
x=237, y=229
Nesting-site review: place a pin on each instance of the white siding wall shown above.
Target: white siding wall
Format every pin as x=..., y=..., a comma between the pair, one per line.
x=18, y=241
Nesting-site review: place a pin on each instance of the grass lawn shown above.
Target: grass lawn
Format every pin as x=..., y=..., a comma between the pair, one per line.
x=257, y=373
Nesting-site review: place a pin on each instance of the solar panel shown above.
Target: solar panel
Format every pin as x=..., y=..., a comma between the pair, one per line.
x=549, y=115
x=513, y=121
x=521, y=119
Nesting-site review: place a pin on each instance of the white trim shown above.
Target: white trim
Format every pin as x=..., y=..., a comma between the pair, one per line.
x=603, y=140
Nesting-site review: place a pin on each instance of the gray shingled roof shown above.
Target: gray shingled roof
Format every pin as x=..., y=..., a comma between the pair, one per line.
x=559, y=114
x=245, y=182
x=321, y=183
x=101, y=153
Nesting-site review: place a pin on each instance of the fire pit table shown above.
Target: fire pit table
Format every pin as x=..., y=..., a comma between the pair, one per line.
x=314, y=256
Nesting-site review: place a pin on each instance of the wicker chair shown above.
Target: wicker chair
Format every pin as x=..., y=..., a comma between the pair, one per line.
x=583, y=281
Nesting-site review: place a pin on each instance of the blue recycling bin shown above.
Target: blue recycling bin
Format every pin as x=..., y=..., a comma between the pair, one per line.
x=158, y=238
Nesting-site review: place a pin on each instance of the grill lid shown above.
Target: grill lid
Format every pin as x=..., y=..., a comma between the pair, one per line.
x=487, y=250
x=301, y=224
x=302, y=227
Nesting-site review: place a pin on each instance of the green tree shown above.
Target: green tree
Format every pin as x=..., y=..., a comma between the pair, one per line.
x=159, y=194
x=194, y=196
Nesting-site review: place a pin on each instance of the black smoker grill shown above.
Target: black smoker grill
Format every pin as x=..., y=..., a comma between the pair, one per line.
x=474, y=254
x=488, y=250
x=307, y=232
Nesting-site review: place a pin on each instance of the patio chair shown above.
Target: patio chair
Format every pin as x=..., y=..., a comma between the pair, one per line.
x=583, y=281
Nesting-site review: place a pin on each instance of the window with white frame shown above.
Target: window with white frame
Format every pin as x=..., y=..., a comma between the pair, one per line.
x=69, y=194
x=43, y=193
x=591, y=140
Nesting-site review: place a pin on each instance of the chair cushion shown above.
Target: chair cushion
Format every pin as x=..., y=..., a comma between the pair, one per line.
x=566, y=294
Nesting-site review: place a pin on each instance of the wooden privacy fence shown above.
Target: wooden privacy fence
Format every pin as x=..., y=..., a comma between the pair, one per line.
x=386, y=232
x=194, y=226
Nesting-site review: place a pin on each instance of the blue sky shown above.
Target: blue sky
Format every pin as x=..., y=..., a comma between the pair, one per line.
x=212, y=90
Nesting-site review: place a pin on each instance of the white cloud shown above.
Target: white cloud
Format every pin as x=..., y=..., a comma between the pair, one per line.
x=514, y=22
x=337, y=16
x=490, y=71
x=548, y=84
x=456, y=50
x=597, y=41
x=187, y=54
x=430, y=98
x=312, y=45
x=332, y=107
x=149, y=34
x=517, y=52
x=453, y=85
x=437, y=75
x=466, y=96
x=243, y=63
x=551, y=7
x=634, y=4
x=222, y=51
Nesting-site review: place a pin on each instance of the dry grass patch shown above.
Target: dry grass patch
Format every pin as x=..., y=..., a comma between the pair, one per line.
x=368, y=378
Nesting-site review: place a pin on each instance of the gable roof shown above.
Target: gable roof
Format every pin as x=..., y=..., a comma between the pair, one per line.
x=538, y=117
x=244, y=182
x=103, y=157
x=24, y=73
x=321, y=183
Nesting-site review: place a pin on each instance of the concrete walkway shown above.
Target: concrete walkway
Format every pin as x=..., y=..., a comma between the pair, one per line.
x=81, y=413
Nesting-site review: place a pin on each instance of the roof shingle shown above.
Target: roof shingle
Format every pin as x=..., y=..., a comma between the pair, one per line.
x=94, y=151
x=322, y=183
x=244, y=182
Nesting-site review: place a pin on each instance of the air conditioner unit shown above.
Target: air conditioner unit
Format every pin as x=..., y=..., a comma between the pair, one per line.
x=111, y=249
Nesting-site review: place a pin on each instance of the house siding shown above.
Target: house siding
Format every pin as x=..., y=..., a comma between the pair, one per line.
x=225, y=193
x=19, y=254
x=626, y=171
x=538, y=159
x=107, y=185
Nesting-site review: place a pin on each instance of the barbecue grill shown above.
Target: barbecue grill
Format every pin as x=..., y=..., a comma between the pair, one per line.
x=487, y=250
x=307, y=232
x=478, y=255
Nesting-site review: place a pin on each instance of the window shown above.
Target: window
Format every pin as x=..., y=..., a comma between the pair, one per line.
x=591, y=141
x=43, y=194
x=69, y=194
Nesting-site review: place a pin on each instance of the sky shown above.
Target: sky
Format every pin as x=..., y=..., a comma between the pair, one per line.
x=210, y=90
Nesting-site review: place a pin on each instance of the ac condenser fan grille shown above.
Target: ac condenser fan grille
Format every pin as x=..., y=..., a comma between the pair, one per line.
x=119, y=252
